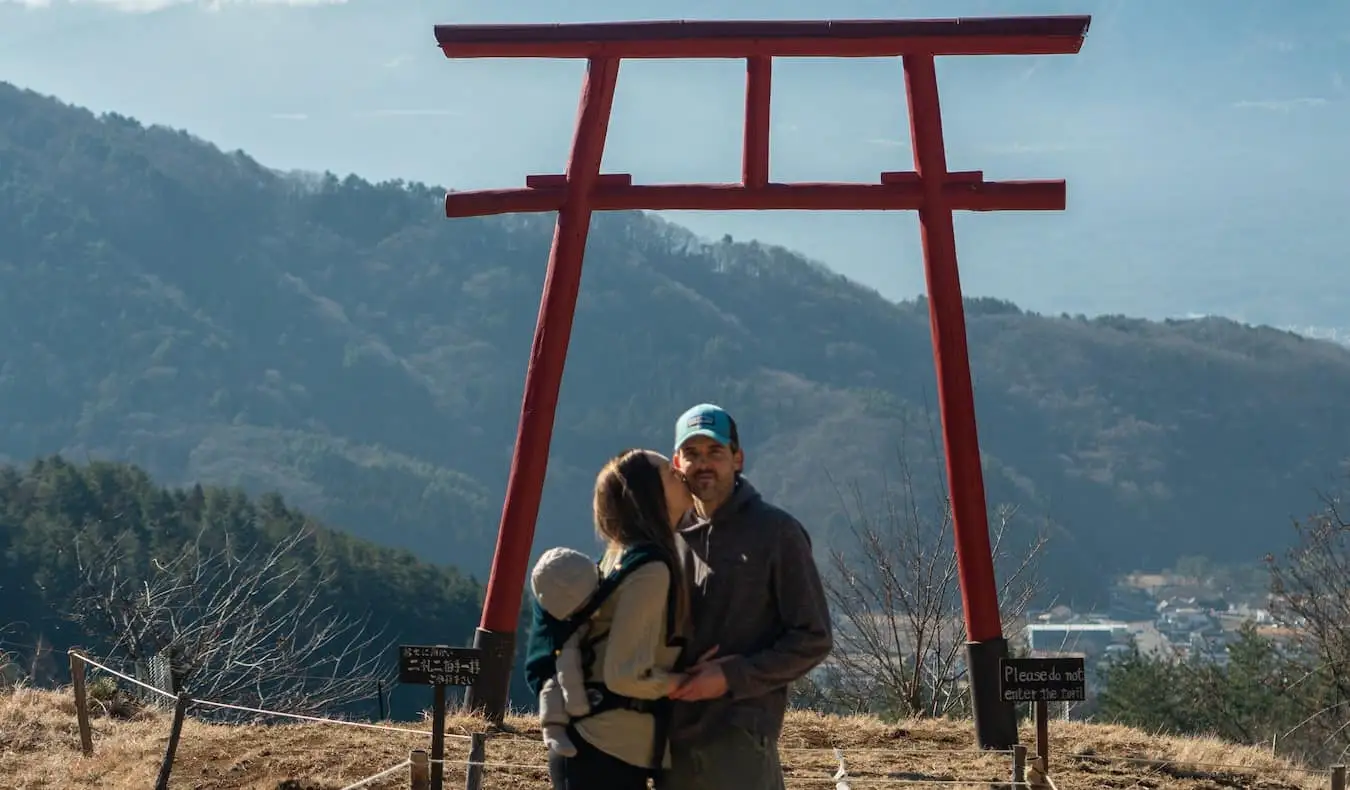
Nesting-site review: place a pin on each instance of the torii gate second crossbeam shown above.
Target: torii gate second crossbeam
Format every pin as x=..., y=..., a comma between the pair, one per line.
x=929, y=188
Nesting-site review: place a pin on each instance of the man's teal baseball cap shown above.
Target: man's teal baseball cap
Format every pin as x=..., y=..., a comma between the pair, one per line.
x=708, y=420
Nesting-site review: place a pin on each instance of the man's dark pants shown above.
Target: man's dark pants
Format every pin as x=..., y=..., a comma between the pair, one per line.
x=732, y=758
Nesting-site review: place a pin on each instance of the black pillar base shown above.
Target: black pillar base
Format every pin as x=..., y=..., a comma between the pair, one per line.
x=995, y=720
x=490, y=695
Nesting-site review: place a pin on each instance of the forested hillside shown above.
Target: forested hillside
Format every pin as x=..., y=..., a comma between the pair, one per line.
x=246, y=593
x=199, y=314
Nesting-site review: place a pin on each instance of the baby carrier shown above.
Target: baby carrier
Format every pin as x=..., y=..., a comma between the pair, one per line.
x=548, y=634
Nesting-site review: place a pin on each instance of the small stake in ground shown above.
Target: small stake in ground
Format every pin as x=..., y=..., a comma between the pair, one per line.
x=473, y=777
x=81, y=702
x=419, y=770
x=171, y=749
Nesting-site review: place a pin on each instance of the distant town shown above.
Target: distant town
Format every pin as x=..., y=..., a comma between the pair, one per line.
x=1169, y=614
x=1192, y=612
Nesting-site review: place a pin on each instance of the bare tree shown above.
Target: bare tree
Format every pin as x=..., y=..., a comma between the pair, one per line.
x=1310, y=595
x=895, y=598
x=233, y=624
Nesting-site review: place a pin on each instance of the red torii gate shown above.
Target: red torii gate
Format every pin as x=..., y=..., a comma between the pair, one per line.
x=929, y=188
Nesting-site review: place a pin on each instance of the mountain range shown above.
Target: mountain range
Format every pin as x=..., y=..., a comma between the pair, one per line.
x=210, y=319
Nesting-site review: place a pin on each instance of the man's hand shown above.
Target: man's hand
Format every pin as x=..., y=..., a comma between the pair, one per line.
x=705, y=680
x=709, y=682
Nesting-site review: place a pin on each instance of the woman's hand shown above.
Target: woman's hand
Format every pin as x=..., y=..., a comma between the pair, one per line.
x=676, y=680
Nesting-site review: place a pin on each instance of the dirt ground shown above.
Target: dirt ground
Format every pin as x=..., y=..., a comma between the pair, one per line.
x=39, y=748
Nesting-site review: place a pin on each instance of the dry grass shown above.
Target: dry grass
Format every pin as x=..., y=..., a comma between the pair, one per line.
x=39, y=748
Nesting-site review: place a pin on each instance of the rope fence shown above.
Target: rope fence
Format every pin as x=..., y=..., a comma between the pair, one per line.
x=382, y=774
x=256, y=711
x=1023, y=773
x=805, y=780
x=1159, y=762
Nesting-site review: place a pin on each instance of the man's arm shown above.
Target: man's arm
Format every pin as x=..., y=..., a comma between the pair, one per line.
x=807, y=637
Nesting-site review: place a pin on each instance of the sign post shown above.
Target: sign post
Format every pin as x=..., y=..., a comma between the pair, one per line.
x=438, y=666
x=1042, y=681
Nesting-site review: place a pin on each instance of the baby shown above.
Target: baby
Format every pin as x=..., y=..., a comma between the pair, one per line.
x=563, y=581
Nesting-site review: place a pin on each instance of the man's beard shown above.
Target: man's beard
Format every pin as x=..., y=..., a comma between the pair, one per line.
x=706, y=486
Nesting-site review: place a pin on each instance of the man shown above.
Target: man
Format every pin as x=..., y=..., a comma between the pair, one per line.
x=760, y=618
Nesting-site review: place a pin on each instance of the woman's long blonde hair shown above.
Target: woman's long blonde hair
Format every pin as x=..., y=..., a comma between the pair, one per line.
x=630, y=509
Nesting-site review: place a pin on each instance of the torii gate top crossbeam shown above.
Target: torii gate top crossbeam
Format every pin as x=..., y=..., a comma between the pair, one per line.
x=917, y=41
x=862, y=38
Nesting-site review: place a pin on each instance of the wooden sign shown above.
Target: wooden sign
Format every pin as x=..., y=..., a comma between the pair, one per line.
x=1059, y=679
x=438, y=665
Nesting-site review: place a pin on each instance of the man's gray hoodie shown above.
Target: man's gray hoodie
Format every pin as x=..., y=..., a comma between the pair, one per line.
x=755, y=593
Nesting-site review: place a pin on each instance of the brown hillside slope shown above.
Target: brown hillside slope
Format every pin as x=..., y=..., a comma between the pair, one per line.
x=39, y=748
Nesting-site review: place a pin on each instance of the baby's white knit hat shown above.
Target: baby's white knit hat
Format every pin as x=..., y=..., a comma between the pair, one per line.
x=563, y=580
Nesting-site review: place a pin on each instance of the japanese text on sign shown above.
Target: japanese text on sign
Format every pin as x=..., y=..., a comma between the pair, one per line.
x=438, y=665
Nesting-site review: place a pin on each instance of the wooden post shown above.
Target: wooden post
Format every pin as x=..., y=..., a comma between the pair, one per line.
x=81, y=702
x=1019, y=771
x=473, y=776
x=438, y=737
x=175, y=731
x=1043, y=734
x=419, y=770
x=1338, y=777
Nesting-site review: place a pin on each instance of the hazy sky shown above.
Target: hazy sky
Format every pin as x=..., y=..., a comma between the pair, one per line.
x=1205, y=142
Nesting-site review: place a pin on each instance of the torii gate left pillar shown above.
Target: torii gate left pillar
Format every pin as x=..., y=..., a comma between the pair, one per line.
x=929, y=188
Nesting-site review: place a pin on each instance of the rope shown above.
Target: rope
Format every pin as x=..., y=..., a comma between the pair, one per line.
x=866, y=781
x=91, y=662
x=863, y=781
x=389, y=683
x=486, y=764
x=893, y=782
x=898, y=751
x=380, y=775
x=320, y=720
x=1159, y=762
x=880, y=750
x=264, y=712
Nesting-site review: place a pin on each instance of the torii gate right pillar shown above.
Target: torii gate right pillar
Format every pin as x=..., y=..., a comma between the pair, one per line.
x=986, y=646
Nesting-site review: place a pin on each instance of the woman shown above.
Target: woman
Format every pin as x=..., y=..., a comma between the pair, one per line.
x=639, y=499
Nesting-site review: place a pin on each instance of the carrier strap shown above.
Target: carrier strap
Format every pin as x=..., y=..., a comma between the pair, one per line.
x=601, y=698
